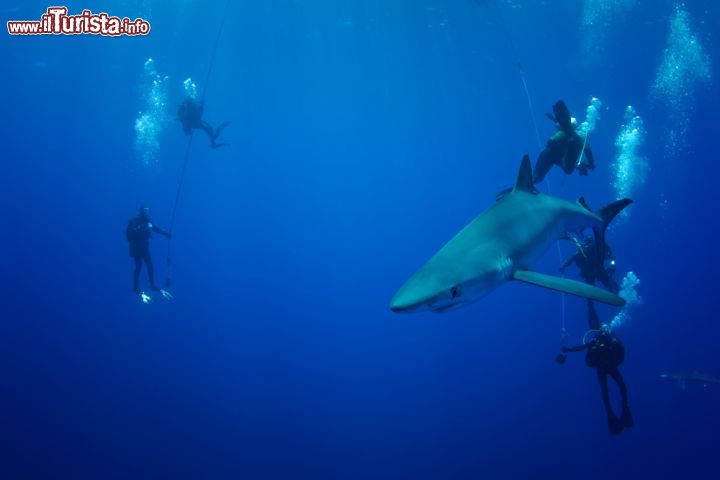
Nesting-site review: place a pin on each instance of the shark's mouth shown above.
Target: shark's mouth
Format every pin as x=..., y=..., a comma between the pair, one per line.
x=446, y=307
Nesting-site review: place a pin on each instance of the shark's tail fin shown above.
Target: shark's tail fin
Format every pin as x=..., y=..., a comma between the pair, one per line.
x=611, y=210
x=607, y=213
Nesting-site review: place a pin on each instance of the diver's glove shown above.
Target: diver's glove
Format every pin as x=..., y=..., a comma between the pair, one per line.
x=145, y=298
x=166, y=295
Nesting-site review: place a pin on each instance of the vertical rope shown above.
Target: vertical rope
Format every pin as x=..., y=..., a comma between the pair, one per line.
x=215, y=49
x=190, y=139
x=531, y=109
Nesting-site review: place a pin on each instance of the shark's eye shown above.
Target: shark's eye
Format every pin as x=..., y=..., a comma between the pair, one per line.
x=454, y=292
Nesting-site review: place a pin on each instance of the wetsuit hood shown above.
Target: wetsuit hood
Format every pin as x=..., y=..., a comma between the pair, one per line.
x=144, y=212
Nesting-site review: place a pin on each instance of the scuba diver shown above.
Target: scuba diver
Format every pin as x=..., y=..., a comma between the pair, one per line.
x=190, y=115
x=605, y=353
x=138, y=232
x=593, y=251
x=566, y=148
x=591, y=261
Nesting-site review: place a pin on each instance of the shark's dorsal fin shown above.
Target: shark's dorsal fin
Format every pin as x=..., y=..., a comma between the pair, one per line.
x=524, y=180
x=572, y=287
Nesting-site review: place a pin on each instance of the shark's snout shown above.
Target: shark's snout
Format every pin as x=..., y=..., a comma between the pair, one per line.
x=401, y=304
x=416, y=297
x=397, y=308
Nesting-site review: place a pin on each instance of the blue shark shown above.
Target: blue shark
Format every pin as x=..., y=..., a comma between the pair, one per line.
x=500, y=245
x=695, y=377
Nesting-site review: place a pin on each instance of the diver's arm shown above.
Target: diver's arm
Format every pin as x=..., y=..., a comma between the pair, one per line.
x=591, y=159
x=160, y=231
x=568, y=262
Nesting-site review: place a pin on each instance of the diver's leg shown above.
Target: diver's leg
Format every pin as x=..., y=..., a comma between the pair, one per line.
x=615, y=374
x=542, y=167
x=150, y=270
x=625, y=416
x=593, y=317
x=613, y=422
x=136, y=273
x=207, y=128
x=220, y=128
x=609, y=282
x=217, y=134
x=602, y=378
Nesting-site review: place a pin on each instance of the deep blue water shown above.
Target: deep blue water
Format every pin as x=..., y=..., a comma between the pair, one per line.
x=364, y=135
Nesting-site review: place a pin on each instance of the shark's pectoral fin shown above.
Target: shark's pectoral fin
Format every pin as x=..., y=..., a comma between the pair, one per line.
x=572, y=287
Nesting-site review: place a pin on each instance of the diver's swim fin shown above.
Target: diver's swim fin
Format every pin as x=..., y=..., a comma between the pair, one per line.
x=626, y=418
x=145, y=298
x=572, y=287
x=616, y=427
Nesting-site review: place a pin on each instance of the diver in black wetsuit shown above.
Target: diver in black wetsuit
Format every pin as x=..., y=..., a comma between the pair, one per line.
x=590, y=259
x=190, y=115
x=138, y=232
x=565, y=148
x=605, y=353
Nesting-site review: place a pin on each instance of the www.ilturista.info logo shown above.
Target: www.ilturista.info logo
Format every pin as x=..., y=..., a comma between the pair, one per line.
x=57, y=22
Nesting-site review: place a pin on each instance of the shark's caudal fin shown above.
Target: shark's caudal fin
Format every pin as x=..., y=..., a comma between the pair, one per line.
x=607, y=213
x=572, y=287
x=525, y=176
x=611, y=210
